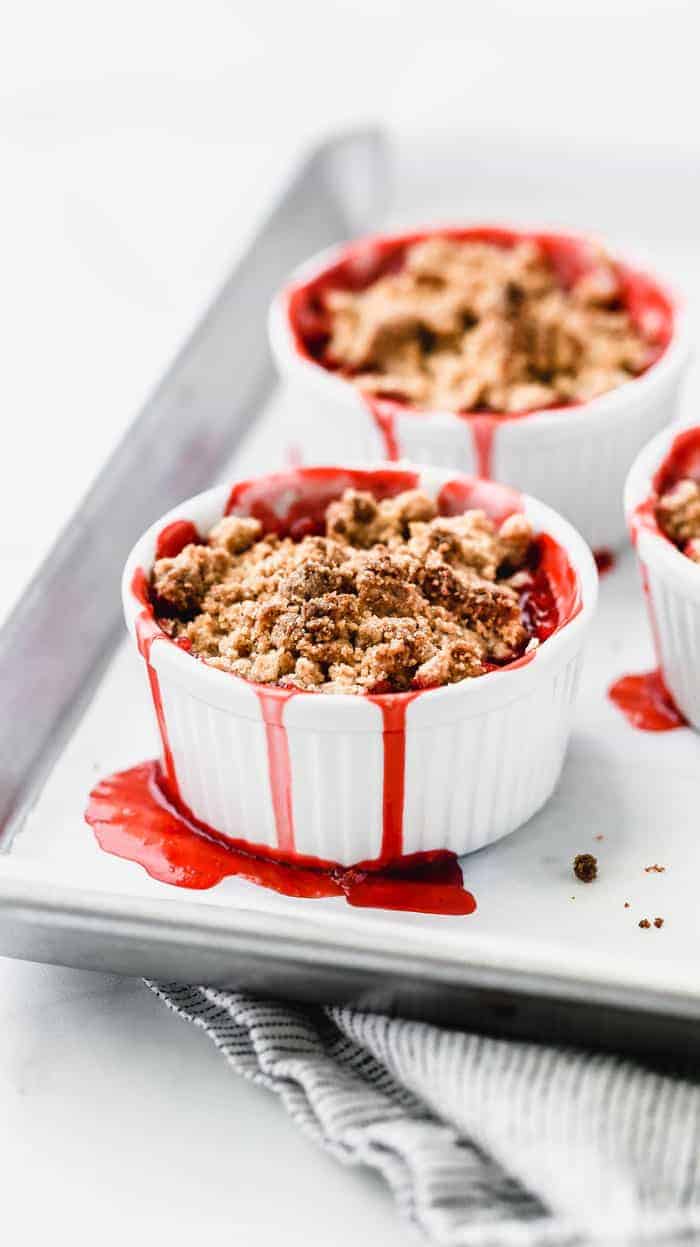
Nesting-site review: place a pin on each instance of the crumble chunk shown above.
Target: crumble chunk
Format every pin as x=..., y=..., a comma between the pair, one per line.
x=182, y=582
x=585, y=867
x=470, y=325
x=235, y=533
x=392, y=597
x=678, y=515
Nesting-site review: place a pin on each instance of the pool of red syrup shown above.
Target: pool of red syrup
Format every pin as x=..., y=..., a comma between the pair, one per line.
x=133, y=818
x=140, y=814
x=366, y=261
x=604, y=561
x=645, y=702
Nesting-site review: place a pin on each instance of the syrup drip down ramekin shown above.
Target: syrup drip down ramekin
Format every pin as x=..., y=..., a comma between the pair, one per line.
x=670, y=579
x=343, y=778
x=574, y=458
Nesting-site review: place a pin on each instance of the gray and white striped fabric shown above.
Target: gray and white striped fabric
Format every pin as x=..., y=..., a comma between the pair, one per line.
x=484, y=1142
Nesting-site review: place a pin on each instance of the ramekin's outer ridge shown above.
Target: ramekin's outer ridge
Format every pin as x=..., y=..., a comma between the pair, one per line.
x=475, y=781
x=677, y=623
x=221, y=765
x=337, y=789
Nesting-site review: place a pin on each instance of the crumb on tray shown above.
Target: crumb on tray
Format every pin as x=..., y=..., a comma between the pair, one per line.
x=585, y=867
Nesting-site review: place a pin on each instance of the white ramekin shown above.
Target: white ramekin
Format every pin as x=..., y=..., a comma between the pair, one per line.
x=575, y=459
x=671, y=582
x=480, y=757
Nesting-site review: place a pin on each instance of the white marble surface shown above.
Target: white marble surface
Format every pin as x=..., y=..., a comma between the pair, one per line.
x=137, y=142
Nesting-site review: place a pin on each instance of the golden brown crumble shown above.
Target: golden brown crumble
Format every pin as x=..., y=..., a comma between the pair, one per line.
x=678, y=514
x=470, y=325
x=393, y=597
x=585, y=867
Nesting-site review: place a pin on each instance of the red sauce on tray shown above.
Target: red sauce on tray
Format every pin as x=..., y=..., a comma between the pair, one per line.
x=646, y=702
x=133, y=818
x=364, y=262
x=293, y=502
x=605, y=561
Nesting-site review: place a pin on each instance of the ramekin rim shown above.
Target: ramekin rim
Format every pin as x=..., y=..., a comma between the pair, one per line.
x=652, y=545
x=289, y=358
x=570, y=539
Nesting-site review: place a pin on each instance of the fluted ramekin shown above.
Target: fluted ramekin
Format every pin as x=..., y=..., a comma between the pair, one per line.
x=671, y=580
x=574, y=458
x=477, y=759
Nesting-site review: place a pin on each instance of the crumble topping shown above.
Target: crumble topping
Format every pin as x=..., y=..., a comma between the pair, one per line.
x=585, y=867
x=393, y=597
x=469, y=326
x=678, y=515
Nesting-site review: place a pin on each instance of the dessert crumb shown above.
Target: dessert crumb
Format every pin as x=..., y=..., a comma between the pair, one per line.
x=585, y=867
x=600, y=836
x=658, y=922
x=627, y=904
x=644, y=922
x=654, y=870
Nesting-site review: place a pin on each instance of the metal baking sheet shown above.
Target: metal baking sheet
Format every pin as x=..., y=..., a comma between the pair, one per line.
x=543, y=955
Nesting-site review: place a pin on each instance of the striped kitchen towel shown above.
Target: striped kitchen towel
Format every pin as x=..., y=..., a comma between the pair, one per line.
x=484, y=1142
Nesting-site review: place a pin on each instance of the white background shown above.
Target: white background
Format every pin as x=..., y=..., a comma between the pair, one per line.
x=137, y=143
